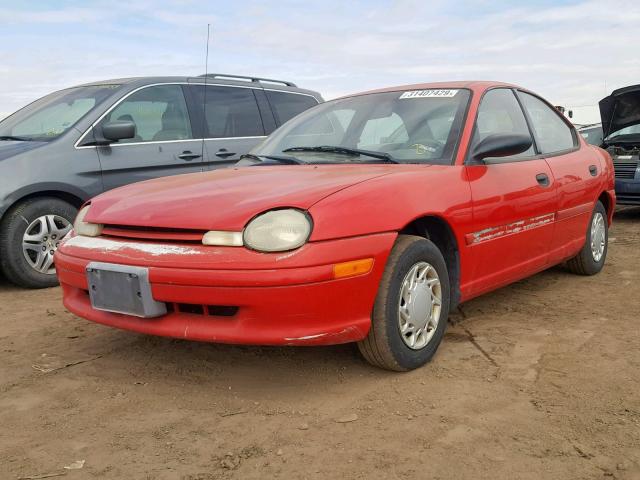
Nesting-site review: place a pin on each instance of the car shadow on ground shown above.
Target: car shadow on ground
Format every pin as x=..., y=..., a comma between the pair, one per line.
x=268, y=366
x=627, y=214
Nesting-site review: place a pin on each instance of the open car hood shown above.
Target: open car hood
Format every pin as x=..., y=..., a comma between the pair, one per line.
x=620, y=109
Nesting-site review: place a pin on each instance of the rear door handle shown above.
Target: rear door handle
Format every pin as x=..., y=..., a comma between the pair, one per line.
x=188, y=155
x=223, y=153
x=543, y=179
x=593, y=170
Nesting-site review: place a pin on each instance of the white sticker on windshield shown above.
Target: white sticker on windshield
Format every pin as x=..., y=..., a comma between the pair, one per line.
x=429, y=94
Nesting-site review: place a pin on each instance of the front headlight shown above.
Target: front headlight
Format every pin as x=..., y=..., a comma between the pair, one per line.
x=84, y=228
x=278, y=230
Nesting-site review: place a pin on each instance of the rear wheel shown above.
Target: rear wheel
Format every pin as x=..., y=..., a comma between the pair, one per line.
x=591, y=258
x=29, y=236
x=411, y=309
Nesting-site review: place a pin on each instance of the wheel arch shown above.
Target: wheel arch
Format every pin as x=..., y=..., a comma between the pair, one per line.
x=607, y=200
x=76, y=199
x=440, y=232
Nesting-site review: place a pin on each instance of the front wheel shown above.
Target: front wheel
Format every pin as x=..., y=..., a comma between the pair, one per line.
x=29, y=236
x=411, y=309
x=591, y=258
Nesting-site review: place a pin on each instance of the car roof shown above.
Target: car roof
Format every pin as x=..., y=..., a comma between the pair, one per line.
x=476, y=85
x=217, y=79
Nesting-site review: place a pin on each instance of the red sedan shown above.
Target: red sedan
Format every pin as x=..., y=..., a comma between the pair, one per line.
x=365, y=219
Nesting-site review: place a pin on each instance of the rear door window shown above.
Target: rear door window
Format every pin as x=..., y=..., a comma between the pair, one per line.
x=230, y=112
x=552, y=133
x=159, y=113
x=286, y=105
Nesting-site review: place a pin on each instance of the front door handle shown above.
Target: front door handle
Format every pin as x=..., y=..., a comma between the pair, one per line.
x=223, y=153
x=593, y=170
x=188, y=155
x=543, y=179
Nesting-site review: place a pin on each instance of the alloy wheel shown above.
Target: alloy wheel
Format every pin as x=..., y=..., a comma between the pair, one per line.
x=41, y=239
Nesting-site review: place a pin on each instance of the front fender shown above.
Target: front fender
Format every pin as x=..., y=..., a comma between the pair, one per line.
x=391, y=202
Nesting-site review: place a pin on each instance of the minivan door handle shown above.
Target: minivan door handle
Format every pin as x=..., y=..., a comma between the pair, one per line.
x=223, y=153
x=593, y=170
x=543, y=179
x=188, y=155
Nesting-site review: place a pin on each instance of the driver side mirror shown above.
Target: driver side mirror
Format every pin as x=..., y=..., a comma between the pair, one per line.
x=119, y=130
x=501, y=145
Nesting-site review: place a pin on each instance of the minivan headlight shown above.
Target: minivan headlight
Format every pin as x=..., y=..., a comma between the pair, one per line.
x=86, y=229
x=278, y=230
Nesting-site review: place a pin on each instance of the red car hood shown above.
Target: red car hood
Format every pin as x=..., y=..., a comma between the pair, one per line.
x=225, y=199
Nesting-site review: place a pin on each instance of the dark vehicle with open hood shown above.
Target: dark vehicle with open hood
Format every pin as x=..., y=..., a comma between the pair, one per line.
x=620, y=113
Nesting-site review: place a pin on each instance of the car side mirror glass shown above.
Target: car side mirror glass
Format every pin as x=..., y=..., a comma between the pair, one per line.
x=119, y=130
x=501, y=145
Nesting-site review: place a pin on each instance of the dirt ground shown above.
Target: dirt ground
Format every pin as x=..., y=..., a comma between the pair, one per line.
x=539, y=380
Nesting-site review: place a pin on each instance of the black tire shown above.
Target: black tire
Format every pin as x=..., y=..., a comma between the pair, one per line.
x=384, y=346
x=584, y=263
x=12, y=229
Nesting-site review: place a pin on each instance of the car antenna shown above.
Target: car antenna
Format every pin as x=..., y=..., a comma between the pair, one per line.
x=204, y=96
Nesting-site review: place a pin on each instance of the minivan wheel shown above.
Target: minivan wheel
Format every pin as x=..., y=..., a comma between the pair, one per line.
x=411, y=309
x=30, y=233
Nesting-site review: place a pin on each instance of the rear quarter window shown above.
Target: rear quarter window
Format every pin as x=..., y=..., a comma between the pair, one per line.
x=286, y=105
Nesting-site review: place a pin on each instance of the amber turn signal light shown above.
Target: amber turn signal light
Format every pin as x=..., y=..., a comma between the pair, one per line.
x=352, y=268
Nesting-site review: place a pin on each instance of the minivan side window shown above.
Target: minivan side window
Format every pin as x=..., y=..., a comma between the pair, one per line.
x=499, y=113
x=552, y=133
x=159, y=112
x=285, y=105
x=229, y=111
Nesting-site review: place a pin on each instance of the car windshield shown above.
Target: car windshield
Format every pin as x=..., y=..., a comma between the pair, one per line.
x=631, y=130
x=416, y=126
x=51, y=116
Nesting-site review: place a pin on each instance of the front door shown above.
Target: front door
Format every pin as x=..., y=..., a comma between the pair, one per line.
x=164, y=143
x=514, y=201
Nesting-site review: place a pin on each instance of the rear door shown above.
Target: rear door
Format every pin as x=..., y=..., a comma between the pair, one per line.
x=164, y=143
x=575, y=171
x=232, y=124
x=514, y=201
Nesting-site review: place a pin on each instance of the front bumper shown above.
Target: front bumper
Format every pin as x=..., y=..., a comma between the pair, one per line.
x=628, y=191
x=234, y=295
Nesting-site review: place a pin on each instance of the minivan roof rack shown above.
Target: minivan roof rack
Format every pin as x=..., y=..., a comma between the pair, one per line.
x=251, y=79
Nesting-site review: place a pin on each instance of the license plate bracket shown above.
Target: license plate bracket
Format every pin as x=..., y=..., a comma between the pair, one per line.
x=122, y=289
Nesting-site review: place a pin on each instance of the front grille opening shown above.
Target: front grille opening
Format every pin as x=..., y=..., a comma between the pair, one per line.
x=153, y=233
x=222, y=310
x=197, y=309
x=191, y=308
x=625, y=169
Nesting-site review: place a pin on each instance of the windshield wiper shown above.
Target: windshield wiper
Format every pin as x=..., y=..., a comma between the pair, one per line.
x=345, y=151
x=281, y=159
x=17, y=139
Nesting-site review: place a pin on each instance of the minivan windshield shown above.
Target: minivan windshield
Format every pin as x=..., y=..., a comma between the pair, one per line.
x=415, y=126
x=51, y=116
